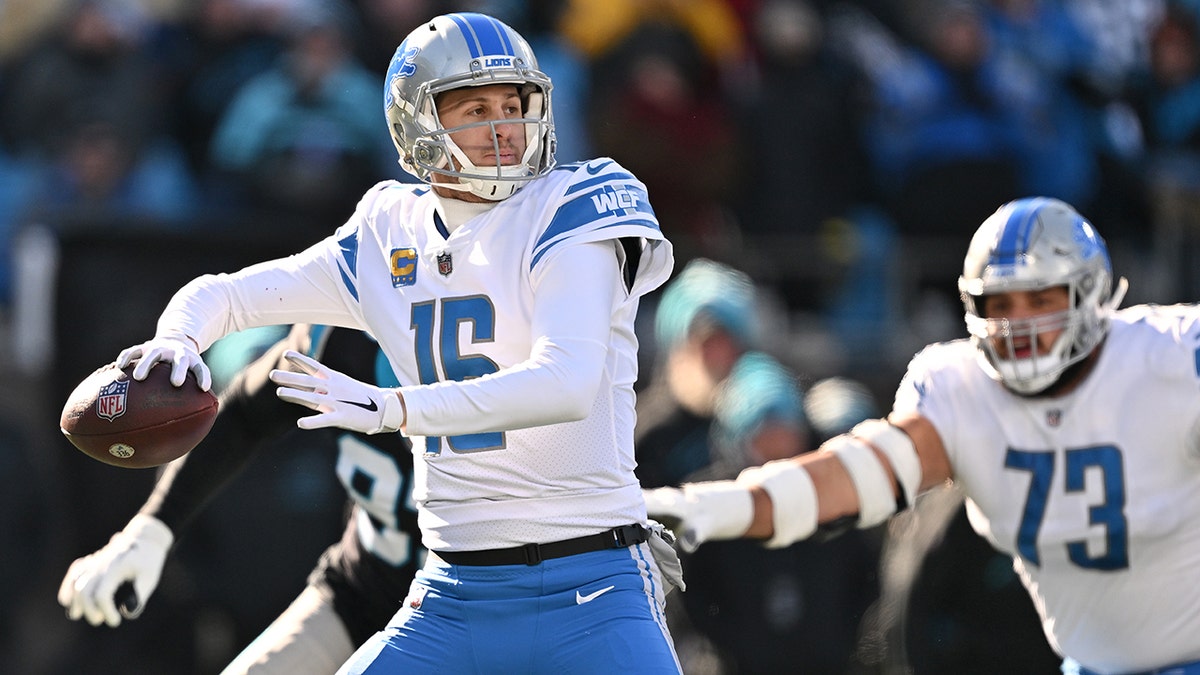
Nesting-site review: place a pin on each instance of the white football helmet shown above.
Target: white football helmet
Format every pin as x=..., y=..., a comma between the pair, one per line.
x=1033, y=244
x=465, y=50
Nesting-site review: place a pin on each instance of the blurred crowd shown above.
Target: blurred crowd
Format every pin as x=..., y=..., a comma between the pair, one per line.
x=826, y=147
x=829, y=158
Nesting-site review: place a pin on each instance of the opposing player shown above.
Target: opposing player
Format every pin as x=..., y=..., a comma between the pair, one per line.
x=503, y=292
x=1072, y=428
x=358, y=582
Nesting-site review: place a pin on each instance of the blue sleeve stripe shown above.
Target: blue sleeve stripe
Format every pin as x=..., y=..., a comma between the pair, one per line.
x=483, y=35
x=349, y=248
x=542, y=250
x=590, y=183
x=349, y=283
x=603, y=202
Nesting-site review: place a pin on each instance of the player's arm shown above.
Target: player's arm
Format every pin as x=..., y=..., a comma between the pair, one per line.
x=859, y=478
x=308, y=287
x=250, y=415
x=558, y=382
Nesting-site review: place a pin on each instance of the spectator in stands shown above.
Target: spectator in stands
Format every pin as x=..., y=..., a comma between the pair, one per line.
x=656, y=104
x=951, y=121
x=217, y=50
x=84, y=118
x=800, y=118
x=1168, y=103
x=385, y=24
x=304, y=137
x=717, y=406
x=92, y=67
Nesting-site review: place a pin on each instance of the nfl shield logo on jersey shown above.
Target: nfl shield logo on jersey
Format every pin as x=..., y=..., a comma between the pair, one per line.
x=1054, y=417
x=110, y=404
x=445, y=264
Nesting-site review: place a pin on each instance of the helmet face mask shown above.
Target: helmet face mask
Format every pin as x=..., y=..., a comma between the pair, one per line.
x=1032, y=245
x=466, y=50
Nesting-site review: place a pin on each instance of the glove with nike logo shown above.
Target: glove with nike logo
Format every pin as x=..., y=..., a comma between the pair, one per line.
x=340, y=400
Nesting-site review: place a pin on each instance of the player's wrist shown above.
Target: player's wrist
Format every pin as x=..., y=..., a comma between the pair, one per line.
x=728, y=508
x=145, y=528
x=393, y=414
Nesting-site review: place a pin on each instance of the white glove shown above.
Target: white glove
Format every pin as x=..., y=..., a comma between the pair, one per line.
x=135, y=554
x=341, y=400
x=701, y=512
x=179, y=351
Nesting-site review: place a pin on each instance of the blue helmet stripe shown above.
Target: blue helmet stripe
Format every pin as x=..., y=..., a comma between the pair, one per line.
x=484, y=35
x=1014, y=238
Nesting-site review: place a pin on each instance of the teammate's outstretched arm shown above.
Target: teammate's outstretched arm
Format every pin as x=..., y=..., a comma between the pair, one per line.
x=859, y=478
x=94, y=587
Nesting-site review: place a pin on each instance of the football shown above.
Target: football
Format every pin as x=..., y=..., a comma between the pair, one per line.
x=120, y=421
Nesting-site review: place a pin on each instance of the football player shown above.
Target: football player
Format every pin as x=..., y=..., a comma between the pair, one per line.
x=1072, y=428
x=358, y=582
x=503, y=291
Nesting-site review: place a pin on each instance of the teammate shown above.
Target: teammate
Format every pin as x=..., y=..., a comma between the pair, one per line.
x=358, y=582
x=1072, y=428
x=503, y=293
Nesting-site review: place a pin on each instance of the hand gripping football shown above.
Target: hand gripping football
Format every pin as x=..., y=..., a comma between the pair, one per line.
x=123, y=422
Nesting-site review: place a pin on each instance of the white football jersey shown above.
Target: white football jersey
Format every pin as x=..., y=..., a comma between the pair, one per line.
x=1096, y=494
x=460, y=307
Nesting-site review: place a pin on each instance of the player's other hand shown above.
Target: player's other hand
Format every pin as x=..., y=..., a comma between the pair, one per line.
x=134, y=555
x=340, y=400
x=178, y=351
x=700, y=512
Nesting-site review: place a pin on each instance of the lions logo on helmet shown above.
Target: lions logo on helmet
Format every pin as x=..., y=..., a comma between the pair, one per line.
x=1028, y=245
x=465, y=50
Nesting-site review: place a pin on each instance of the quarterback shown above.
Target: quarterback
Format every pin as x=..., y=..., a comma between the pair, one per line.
x=503, y=292
x=1072, y=428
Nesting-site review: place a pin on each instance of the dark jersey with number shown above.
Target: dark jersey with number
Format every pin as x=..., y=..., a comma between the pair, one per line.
x=369, y=570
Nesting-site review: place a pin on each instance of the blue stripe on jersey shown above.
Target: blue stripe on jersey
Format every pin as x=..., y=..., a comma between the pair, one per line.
x=349, y=248
x=593, y=182
x=649, y=224
x=604, y=202
x=483, y=34
x=1014, y=238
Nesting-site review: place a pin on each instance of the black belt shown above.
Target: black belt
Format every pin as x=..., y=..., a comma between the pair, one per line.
x=532, y=554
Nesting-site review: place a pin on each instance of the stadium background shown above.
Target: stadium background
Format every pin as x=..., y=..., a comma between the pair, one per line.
x=823, y=147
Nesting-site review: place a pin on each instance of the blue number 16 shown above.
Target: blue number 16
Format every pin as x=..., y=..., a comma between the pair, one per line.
x=478, y=313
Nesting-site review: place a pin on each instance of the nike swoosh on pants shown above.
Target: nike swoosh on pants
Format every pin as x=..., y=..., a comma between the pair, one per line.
x=580, y=599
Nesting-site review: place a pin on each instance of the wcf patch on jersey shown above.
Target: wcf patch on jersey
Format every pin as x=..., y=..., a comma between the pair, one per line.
x=404, y=266
x=110, y=403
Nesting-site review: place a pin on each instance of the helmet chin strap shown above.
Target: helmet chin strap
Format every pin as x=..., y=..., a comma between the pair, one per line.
x=1117, y=296
x=509, y=178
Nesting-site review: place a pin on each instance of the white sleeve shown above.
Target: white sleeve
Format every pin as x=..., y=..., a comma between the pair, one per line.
x=303, y=288
x=572, y=322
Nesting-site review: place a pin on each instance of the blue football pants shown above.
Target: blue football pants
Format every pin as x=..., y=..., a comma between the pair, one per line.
x=599, y=612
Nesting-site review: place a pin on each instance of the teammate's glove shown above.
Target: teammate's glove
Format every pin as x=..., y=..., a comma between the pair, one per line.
x=134, y=555
x=179, y=351
x=700, y=512
x=340, y=400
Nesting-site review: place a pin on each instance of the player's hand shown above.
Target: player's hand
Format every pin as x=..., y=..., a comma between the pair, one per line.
x=180, y=352
x=134, y=555
x=700, y=512
x=340, y=400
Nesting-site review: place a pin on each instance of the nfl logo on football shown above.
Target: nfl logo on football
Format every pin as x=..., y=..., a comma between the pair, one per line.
x=110, y=404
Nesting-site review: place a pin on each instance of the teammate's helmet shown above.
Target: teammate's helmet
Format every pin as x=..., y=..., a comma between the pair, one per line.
x=465, y=50
x=1033, y=244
